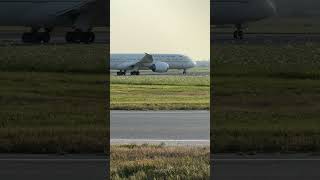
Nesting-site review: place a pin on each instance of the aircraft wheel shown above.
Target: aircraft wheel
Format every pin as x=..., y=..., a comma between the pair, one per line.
x=135, y=73
x=84, y=37
x=27, y=37
x=121, y=73
x=73, y=37
x=45, y=37
x=92, y=37
x=31, y=37
x=240, y=34
x=235, y=35
x=35, y=37
x=70, y=37
x=87, y=37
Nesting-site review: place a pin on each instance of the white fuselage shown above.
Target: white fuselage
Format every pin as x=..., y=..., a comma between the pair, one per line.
x=240, y=11
x=31, y=12
x=175, y=61
x=41, y=12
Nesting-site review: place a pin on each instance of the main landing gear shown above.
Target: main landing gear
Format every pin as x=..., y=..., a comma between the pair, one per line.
x=121, y=73
x=80, y=37
x=36, y=37
x=135, y=73
x=184, y=72
x=238, y=33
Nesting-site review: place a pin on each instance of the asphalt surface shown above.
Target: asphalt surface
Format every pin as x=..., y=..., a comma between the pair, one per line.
x=170, y=127
x=53, y=167
x=171, y=72
x=265, y=38
x=56, y=38
x=216, y=38
x=265, y=167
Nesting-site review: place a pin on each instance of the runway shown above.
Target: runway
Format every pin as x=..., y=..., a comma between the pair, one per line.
x=216, y=38
x=170, y=127
x=56, y=38
x=52, y=167
x=265, y=38
x=266, y=167
x=171, y=72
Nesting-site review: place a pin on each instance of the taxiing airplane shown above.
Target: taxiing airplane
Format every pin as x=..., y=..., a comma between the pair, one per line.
x=81, y=15
x=240, y=12
x=156, y=62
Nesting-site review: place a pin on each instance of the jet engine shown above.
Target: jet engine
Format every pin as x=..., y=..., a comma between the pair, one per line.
x=159, y=67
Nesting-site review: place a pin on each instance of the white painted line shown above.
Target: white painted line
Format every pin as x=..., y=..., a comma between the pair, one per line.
x=163, y=140
x=266, y=159
x=169, y=142
x=159, y=112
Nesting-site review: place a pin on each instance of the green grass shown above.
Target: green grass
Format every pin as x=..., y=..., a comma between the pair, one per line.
x=266, y=98
x=159, y=162
x=59, y=112
x=160, y=93
x=54, y=58
x=53, y=99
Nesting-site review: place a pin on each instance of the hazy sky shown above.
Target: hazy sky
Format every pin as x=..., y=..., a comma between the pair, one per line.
x=161, y=26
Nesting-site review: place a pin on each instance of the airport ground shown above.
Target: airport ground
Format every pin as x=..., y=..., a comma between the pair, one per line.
x=266, y=98
x=266, y=167
x=41, y=85
x=266, y=108
x=175, y=128
x=160, y=144
x=159, y=162
x=53, y=99
x=52, y=167
x=175, y=92
x=257, y=84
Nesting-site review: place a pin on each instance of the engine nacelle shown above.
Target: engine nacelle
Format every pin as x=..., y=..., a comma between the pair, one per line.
x=159, y=67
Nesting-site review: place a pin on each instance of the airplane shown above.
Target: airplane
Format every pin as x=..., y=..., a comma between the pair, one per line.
x=42, y=16
x=240, y=12
x=159, y=63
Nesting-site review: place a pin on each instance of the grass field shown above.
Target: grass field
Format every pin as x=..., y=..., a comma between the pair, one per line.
x=160, y=93
x=53, y=99
x=54, y=58
x=266, y=98
x=160, y=162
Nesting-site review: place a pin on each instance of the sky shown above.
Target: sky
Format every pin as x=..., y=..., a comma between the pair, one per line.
x=161, y=26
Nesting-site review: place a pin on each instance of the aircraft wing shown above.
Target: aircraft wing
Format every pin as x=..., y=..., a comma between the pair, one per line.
x=145, y=61
x=77, y=8
x=98, y=10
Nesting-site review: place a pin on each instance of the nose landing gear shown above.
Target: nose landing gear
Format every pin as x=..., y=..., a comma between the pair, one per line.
x=238, y=33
